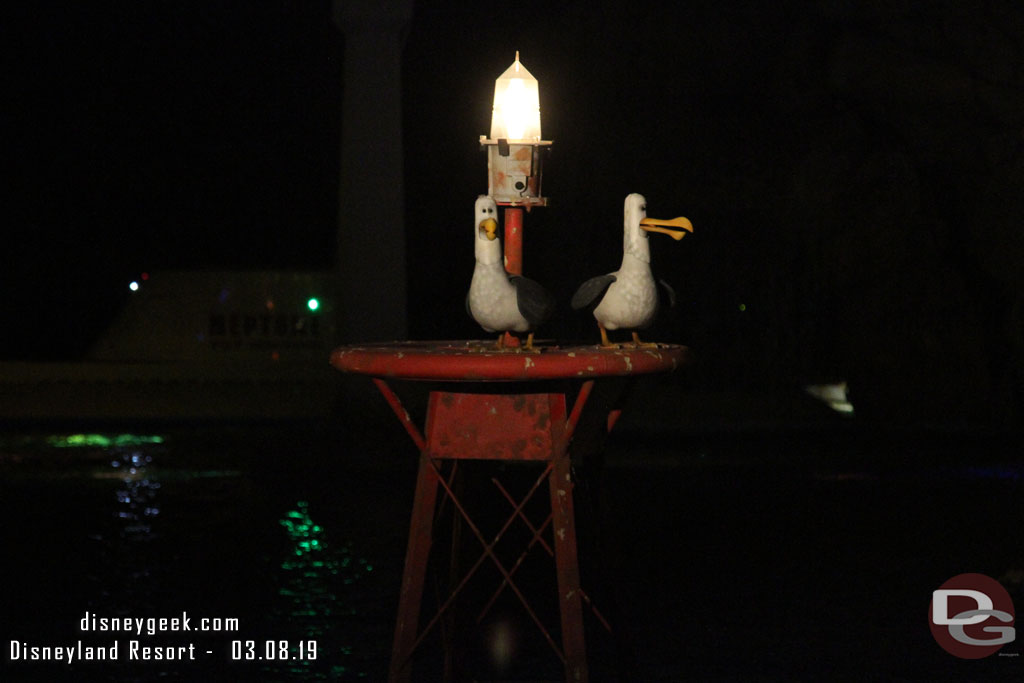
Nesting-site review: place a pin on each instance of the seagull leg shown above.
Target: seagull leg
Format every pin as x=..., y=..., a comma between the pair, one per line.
x=639, y=344
x=501, y=342
x=605, y=342
x=529, y=343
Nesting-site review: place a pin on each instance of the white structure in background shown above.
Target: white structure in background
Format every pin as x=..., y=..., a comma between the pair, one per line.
x=195, y=345
x=833, y=395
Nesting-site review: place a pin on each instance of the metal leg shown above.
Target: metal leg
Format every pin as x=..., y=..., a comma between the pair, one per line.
x=567, y=568
x=416, y=554
x=451, y=636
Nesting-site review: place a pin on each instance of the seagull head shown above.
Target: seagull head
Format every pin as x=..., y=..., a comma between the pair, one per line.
x=487, y=218
x=488, y=247
x=637, y=225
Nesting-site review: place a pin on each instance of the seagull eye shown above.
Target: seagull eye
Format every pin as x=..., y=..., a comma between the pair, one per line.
x=643, y=207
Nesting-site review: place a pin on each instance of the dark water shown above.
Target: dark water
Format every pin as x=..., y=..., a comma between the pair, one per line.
x=757, y=556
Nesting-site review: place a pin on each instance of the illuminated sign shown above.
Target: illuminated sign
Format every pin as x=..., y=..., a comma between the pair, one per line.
x=263, y=329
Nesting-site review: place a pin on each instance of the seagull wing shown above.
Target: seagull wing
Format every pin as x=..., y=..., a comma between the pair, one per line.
x=534, y=302
x=591, y=291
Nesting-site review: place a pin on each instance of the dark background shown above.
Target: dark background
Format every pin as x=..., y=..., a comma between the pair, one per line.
x=855, y=173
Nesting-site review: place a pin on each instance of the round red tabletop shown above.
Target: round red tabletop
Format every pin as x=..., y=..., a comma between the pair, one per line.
x=480, y=361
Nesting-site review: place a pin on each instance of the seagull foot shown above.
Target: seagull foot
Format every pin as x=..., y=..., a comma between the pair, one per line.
x=637, y=344
x=528, y=346
x=606, y=343
x=509, y=343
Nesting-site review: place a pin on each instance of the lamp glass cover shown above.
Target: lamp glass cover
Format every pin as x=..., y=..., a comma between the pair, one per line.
x=516, y=114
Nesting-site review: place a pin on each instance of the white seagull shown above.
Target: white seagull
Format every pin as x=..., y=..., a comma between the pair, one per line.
x=498, y=301
x=628, y=297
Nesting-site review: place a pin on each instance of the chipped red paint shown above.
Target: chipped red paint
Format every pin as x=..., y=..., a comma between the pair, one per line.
x=513, y=255
x=493, y=426
x=514, y=240
x=479, y=361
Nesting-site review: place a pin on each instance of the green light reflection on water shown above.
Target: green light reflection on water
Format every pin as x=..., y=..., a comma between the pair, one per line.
x=102, y=440
x=310, y=575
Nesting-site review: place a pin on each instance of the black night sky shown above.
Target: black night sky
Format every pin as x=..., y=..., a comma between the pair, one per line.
x=175, y=135
x=853, y=170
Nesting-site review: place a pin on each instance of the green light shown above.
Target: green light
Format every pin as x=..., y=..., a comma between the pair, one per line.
x=102, y=440
x=743, y=308
x=313, y=303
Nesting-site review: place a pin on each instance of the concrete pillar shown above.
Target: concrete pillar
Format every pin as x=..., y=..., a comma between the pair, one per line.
x=371, y=302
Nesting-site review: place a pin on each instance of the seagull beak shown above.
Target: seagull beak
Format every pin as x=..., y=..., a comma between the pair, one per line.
x=665, y=226
x=490, y=227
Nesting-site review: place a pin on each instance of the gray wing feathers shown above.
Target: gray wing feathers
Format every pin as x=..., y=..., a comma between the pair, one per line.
x=591, y=291
x=533, y=300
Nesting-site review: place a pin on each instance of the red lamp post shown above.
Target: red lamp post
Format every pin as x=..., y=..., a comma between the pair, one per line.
x=514, y=155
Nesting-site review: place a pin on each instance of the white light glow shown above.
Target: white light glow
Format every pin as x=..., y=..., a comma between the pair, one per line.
x=516, y=113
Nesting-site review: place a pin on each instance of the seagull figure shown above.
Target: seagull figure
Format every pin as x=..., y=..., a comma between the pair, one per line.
x=500, y=302
x=628, y=297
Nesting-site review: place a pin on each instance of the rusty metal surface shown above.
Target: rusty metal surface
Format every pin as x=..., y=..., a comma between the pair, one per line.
x=513, y=241
x=479, y=361
x=492, y=426
x=514, y=172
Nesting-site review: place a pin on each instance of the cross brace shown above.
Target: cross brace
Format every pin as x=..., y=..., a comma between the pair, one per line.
x=498, y=426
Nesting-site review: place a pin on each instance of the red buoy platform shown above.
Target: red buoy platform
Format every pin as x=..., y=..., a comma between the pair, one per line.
x=486, y=403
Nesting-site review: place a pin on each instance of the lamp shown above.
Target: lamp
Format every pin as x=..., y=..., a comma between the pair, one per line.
x=516, y=114
x=514, y=145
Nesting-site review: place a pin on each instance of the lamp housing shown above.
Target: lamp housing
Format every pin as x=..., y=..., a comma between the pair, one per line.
x=514, y=148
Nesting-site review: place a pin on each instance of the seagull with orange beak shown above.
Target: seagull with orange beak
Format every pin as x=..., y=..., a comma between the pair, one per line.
x=500, y=302
x=628, y=297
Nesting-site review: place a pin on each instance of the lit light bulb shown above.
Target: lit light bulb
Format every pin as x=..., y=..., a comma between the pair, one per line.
x=516, y=113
